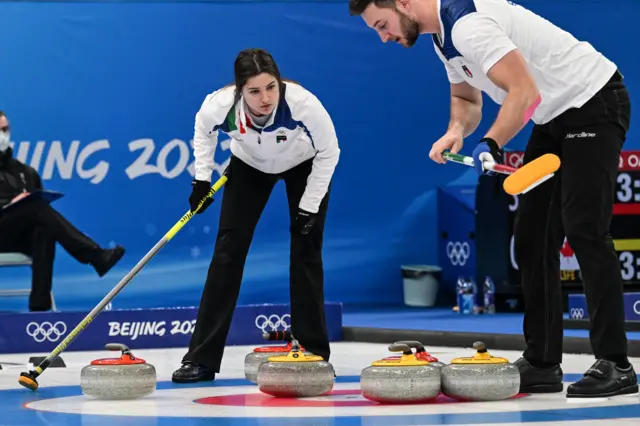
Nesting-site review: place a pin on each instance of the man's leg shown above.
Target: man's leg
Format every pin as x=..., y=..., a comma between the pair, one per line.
x=37, y=244
x=594, y=136
x=78, y=245
x=42, y=251
x=538, y=237
x=244, y=197
x=306, y=270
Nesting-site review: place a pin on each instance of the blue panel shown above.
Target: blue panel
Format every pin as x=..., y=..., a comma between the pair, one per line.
x=577, y=304
x=144, y=328
x=456, y=243
x=102, y=98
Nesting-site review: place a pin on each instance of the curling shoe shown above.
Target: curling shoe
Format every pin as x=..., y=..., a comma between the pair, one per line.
x=604, y=379
x=191, y=372
x=539, y=380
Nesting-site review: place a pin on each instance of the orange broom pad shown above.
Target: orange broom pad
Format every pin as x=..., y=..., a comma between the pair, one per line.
x=532, y=174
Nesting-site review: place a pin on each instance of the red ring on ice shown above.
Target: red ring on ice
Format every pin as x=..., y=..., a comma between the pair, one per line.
x=264, y=400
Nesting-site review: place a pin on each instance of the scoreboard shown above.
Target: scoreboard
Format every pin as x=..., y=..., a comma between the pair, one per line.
x=624, y=228
x=625, y=225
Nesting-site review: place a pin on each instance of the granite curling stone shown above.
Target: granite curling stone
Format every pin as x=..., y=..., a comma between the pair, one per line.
x=126, y=377
x=481, y=377
x=421, y=353
x=260, y=355
x=403, y=379
x=295, y=375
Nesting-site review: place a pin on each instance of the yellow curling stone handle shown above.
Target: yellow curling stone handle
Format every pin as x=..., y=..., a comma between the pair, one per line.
x=407, y=359
x=482, y=356
x=295, y=355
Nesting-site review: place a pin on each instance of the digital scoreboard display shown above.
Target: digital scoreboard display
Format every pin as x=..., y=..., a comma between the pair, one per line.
x=625, y=225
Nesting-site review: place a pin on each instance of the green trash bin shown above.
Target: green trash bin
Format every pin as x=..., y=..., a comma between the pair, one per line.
x=420, y=284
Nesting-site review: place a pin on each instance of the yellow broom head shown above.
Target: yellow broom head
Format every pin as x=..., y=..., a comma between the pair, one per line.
x=532, y=174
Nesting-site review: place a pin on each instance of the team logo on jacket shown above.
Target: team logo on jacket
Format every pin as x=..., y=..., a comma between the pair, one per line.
x=466, y=71
x=281, y=136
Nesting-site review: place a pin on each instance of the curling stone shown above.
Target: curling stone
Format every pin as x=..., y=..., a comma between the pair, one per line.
x=126, y=377
x=421, y=353
x=260, y=355
x=403, y=379
x=481, y=377
x=295, y=375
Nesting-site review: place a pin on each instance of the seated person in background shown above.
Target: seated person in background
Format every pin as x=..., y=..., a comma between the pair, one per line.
x=35, y=227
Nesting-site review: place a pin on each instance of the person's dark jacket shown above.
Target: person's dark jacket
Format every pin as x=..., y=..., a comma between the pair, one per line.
x=15, y=178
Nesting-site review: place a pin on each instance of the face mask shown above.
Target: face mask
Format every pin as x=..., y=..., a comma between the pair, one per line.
x=4, y=141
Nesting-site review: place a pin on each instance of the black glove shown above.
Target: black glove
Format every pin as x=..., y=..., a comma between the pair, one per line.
x=200, y=190
x=304, y=222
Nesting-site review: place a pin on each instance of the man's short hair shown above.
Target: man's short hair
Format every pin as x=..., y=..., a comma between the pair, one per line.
x=2, y=114
x=356, y=7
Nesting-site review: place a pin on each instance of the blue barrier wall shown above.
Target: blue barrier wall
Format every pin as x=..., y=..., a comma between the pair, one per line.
x=102, y=98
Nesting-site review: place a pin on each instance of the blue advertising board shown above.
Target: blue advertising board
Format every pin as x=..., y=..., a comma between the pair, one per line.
x=145, y=328
x=578, y=307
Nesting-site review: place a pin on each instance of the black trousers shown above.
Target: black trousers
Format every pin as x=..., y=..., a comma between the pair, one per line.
x=244, y=198
x=577, y=203
x=33, y=229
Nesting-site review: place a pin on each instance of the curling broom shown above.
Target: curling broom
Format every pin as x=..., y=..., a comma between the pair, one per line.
x=520, y=180
x=28, y=380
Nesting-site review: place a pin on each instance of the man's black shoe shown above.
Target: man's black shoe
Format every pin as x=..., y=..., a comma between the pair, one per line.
x=191, y=372
x=107, y=260
x=604, y=379
x=539, y=380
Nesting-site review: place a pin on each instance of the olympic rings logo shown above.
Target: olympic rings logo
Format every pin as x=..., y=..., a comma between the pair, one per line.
x=576, y=313
x=46, y=331
x=458, y=253
x=273, y=322
x=636, y=307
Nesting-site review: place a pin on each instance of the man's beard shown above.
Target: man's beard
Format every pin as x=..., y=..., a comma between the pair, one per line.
x=410, y=30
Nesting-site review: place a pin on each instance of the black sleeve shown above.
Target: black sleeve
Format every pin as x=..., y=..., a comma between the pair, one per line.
x=6, y=194
x=5, y=199
x=34, y=182
x=9, y=192
x=36, y=179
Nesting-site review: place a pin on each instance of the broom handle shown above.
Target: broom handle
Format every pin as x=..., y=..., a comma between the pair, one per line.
x=488, y=165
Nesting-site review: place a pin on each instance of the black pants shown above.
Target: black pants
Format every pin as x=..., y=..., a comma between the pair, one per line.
x=577, y=203
x=33, y=229
x=245, y=195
